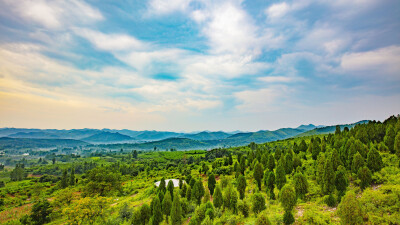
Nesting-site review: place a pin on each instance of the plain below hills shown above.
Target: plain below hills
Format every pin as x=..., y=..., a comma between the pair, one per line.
x=149, y=140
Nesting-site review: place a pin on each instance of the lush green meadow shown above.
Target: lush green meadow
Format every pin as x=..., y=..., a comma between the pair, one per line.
x=349, y=177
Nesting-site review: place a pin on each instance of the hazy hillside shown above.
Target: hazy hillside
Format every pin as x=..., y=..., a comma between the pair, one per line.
x=205, y=135
x=329, y=129
x=39, y=134
x=156, y=135
x=17, y=143
x=107, y=137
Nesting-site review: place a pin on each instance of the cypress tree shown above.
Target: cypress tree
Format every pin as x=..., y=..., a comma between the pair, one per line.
x=320, y=169
x=162, y=186
x=300, y=185
x=211, y=183
x=389, y=138
x=329, y=177
x=72, y=177
x=198, y=191
x=217, y=197
x=64, y=179
x=316, y=149
x=397, y=144
x=271, y=162
x=189, y=193
x=364, y=174
x=341, y=181
x=258, y=174
x=374, y=160
x=288, y=163
x=176, y=211
x=157, y=216
x=280, y=176
x=271, y=184
x=183, y=190
x=303, y=146
x=145, y=214
x=170, y=189
x=258, y=203
x=241, y=186
x=358, y=162
x=262, y=219
x=287, y=197
x=349, y=210
x=166, y=204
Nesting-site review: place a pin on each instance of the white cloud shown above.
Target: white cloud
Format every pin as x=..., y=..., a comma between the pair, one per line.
x=52, y=14
x=383, y=61
x=111, y=42
x=277, y=10
x=276, y=79
x=262, y=100
x=163, y=7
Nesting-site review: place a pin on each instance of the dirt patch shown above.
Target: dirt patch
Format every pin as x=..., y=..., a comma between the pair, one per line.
x=376, y=187
x=300, y=211
x=14, y=213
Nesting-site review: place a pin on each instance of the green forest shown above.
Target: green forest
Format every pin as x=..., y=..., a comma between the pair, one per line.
x=349, y=176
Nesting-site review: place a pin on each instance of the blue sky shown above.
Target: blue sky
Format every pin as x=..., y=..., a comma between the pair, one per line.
x=197, y=65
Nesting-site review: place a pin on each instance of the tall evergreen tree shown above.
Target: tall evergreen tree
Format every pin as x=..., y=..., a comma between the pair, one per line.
x=358, y=162
x=288, y=163
x=64, y=179
x=341, y=180
x=280, y=175
x=211, y=183
x=218, y=200
x=303, y=146
x=365, y=175
x=300, y=185
x=162, y=187
x=170, y=188
x=374, y=160
x=241, y=186
x=198, y=191
x=390, y=138
x=157, y=216
x=397, y=144
x=271, y=184
x=329, y=177
x=166, y=204
x=258, y=201
x=349, y=210
x=176, y=211
x=72, y=177
x=258, y=174
x=271, y=162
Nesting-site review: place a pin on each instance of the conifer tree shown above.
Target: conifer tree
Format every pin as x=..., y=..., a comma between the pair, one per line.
x=288, y=163
x=176, y=211
x=280, y=177
x=271, y=184
x=341, y=180
x=258, y=174
x=166, y=204
x=358, y=162
x=349, y=210
x=271, y=162
x=287, y=197
x=258, y=203
x=162, y=187
x=320, y=169
x=145, y=214
x=211, y=183
x=157, y=216
x=390, y=138
x=262, y=219
x=316, y=149
x=364, y=174
x=397, y=144
x=64, y=179
x=198, y=191
x=217, y=197
x=170, y=188
x=241, y=186
x=72, y=177
x=303, y=146
x=329, y=177
x=374, y=160
x=300, y=185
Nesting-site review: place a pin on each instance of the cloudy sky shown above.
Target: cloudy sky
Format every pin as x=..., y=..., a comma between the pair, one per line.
x=186, y=65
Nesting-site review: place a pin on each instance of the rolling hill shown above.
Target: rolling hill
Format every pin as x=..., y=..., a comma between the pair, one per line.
x=107, y=137
x=205, y=135
x=18, y=143
x=329, y=129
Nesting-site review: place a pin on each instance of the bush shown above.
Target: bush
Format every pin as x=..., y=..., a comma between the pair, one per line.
x=330, y=200
x=258, y=203
x=244, y=208
x=288, y=217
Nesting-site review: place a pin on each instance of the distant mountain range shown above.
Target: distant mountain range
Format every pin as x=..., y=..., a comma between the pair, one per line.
x=147, y=140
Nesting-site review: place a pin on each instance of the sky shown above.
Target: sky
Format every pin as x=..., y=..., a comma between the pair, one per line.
x=191, y=65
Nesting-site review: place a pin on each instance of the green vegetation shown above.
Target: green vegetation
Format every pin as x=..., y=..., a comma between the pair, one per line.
x=349, y=176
